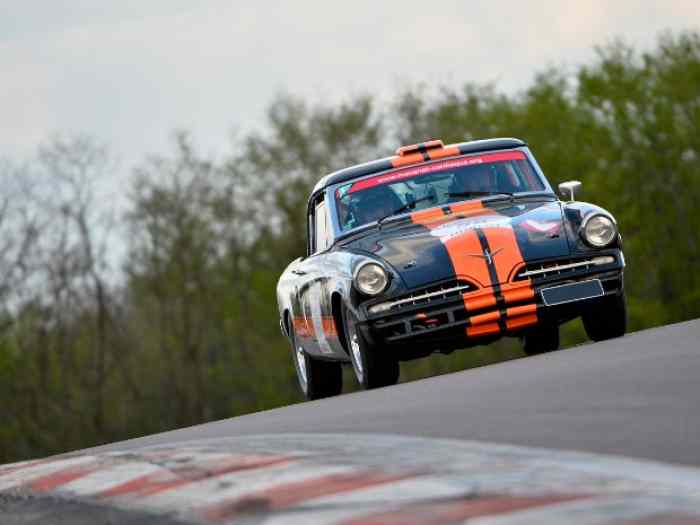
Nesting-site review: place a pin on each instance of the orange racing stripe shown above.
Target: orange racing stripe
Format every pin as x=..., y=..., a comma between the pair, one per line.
x=467, y=252
x=488, y=317
x=464, y=250
x=478, y=303
x=428, y=217
x=505, y=250
x=483, y=329
x=405, y=160
x=328, y=324
x=515, y=294
x=304, y=328
x=441, y=153
x=516, y=311
x=506, y=256
x=521, y=322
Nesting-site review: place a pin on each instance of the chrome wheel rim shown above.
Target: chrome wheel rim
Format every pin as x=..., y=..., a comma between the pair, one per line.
x=301, y=366
x=356, y=356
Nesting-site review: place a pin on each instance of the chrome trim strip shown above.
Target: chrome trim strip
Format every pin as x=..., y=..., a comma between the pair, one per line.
x=428, y=295
x=557, y=268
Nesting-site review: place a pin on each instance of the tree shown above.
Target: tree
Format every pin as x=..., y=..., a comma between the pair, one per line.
x=647, y=111
x=180, y=326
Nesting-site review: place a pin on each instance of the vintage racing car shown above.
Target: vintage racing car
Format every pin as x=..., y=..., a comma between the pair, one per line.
x=439, y=248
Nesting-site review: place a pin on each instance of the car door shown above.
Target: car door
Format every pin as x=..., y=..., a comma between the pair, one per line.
x=312, y=291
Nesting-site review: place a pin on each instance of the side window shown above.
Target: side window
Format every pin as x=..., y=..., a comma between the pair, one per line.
x=322, y=227
x=310, y=234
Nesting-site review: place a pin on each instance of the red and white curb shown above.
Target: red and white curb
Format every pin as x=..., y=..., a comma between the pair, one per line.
x=356, y=479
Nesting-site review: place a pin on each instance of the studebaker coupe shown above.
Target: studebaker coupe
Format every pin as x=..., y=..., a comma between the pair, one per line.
x=439, y=248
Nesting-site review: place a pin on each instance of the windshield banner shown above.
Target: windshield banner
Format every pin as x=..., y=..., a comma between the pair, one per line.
x=415, y=171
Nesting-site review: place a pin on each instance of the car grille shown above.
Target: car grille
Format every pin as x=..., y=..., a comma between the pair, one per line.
x=431, y=294
x=547, y=269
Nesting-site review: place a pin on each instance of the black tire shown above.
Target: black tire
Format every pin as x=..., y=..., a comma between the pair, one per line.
x=541, y=339
x=373, y=367
x=318, y=379
x=607, y=319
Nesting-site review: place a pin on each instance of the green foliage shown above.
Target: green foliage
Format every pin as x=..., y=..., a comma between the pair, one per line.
x=187, y=331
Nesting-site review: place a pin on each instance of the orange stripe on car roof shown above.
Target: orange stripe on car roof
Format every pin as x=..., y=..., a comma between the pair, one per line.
x=413, y=158
x=448, y=151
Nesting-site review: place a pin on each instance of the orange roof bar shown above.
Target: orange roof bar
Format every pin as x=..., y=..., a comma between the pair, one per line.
x=423, y=146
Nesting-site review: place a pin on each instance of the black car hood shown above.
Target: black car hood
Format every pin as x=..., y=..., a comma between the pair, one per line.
x=452, y=245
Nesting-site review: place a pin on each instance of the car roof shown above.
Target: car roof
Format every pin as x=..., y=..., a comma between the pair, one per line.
x=416, y=154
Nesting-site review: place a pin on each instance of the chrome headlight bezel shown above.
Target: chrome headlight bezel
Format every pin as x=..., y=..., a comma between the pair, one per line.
x=595, y=240
x=370, y=266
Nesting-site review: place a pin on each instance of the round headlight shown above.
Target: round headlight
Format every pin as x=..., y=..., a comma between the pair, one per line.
x=599, y=231
x=371, y=279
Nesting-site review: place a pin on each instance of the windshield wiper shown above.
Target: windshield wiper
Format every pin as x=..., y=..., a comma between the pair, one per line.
x=479, y=193
x=408, y=206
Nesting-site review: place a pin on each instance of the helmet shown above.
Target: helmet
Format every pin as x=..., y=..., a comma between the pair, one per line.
x=374, y=203
x=473, y=179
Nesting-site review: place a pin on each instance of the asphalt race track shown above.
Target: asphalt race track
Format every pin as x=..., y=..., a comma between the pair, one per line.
x=477, y=446
x=635, y=396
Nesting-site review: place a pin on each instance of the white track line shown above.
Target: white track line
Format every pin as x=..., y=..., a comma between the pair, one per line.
x=27, y=475
x=399, y=492
x=19, y=464
x=195, y=457
x=369, y=500
x=319, y=515
x=598, y=511
x=218, y=489
x=627, y=489
x=107, y=478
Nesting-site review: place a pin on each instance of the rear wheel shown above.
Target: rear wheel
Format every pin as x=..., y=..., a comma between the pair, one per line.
x=317, y=379
x=373, y=367
x=541, y=339
x=607, y=319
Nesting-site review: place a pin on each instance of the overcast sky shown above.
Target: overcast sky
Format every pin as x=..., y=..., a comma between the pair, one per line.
x=130, y=71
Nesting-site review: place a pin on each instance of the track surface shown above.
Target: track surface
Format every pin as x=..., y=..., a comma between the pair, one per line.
x=635, y=396
x=370, y=479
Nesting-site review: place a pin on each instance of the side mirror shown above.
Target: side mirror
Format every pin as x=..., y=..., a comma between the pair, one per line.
x=569, y=188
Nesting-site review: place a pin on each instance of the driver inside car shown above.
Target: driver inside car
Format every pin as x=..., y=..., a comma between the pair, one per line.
x=372, y=204
x=472, y=179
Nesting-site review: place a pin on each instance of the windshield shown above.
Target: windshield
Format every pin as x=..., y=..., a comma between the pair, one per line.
x=434, y=184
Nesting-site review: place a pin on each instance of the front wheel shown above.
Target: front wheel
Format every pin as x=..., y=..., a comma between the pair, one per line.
x=541, y=339
x=608, y=319
x=374, y=367
x=317, y=379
